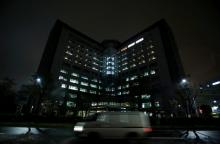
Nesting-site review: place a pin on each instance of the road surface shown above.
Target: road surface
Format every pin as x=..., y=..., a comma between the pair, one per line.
x=20, y=135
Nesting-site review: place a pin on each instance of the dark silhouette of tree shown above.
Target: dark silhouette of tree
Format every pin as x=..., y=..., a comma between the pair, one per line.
x=7, y=96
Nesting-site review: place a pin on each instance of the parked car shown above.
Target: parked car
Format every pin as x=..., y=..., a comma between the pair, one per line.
x=115, y=125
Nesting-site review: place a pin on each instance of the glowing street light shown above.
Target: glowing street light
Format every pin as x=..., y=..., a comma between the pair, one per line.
x=38, y=80
x=183, y=81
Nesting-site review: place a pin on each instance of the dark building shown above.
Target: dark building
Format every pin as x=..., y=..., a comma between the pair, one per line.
x=209, y=94
x=138, y=74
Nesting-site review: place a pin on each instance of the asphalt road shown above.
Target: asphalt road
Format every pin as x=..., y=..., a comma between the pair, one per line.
x=20, y=135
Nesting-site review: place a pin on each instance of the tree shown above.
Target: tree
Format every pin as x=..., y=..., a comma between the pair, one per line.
x=7, y=96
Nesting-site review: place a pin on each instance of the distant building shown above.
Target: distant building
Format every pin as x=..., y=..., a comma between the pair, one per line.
x=209, y=94
x=138, y=74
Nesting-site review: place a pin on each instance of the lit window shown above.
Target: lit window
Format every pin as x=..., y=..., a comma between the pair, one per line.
x=63, y=85
x=152, y=52
x=146, y=105
x=130, y=45
x=124, y=69
x=119, y=87
x=109, y=67
x=95, y=58
x=119, y=93
x=151, y=46
x=125, y=63
x=68, y=46
x=110, y=72
x=125, y=92
x=93, y=85
x=84, y=77
x=92, y=92
x=74, y=81
x=73, y=95
x=73, y=87
x=125, y=58
x=70, y=104
x=112, y=63
x=84, y=83
x=157, y=104
x=134, y=65
x=94, y=104
x=61, y=77
x=69, y=53
x=152, y=72
x=134, y=77
x=95, y=63
x=146, y=74
x=94, y=80
x=139, y=40
x=83, y=90
x=75, y=74
x=94, y=68
x=145, y=96
x=123, y=49
x=127, y=79
x=63, y=71
x=127, y=85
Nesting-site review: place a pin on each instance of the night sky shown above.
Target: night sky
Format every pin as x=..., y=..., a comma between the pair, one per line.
x=25, y=26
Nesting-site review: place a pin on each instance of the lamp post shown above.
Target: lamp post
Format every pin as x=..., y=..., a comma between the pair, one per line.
x=185, y=86
x=38, y=81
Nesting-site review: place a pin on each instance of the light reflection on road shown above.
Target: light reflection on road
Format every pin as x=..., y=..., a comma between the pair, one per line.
x=17, y=130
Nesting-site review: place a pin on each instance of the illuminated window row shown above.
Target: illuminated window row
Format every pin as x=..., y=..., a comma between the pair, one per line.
x=63, y=71
x=145, y=96
x=62, y=78
x=92, y=92
x=76, y=88
x=69, y=53
x=142, y=62
x=152, y=72
x=125, y=92
x=84, y=77
x=152, y=58
x=123, y=49
x=136, y=42
x=109, y=89
x=126, y=68
x=146, y=105
x=74, y=81
x=133, y=65
x=133, y=77
x=70, y=104
x=104, y=103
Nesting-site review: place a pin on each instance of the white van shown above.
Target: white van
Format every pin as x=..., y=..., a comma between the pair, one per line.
x=115, y=125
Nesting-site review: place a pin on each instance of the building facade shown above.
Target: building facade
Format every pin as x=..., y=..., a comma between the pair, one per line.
x=138, y=74
x=209, y=94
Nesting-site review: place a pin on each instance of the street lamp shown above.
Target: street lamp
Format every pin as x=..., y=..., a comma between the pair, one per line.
x=184, y=81
x=184, y=85
x=38, y=80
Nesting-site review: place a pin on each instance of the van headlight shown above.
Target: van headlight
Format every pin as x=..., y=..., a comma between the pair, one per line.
x=78, y=128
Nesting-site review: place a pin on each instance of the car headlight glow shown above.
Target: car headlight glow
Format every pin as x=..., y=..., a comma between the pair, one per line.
x=78, y=128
